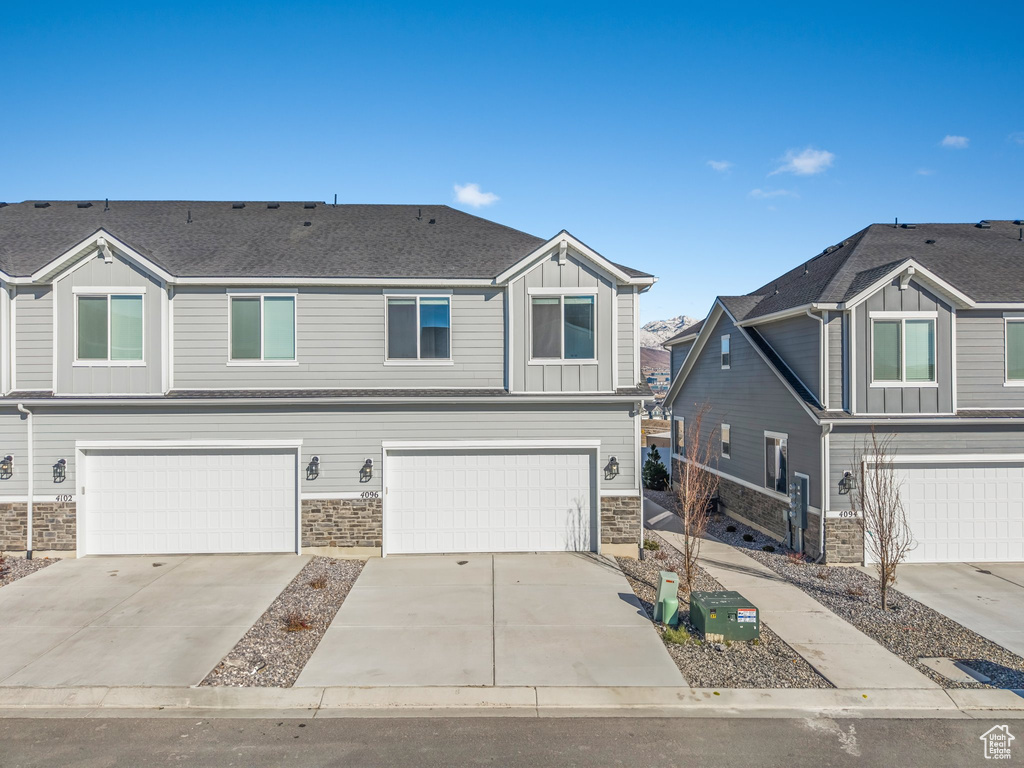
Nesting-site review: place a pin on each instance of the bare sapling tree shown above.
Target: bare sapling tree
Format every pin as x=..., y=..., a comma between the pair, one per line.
x=695, y=488
x=887, y=536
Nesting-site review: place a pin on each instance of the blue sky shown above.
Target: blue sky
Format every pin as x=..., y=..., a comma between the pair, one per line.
x=715, y=145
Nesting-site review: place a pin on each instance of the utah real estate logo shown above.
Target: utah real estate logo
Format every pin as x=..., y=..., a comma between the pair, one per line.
x=997, y=742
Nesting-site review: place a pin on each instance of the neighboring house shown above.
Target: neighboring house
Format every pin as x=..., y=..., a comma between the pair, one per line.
x=186, y=377
x=916, y=332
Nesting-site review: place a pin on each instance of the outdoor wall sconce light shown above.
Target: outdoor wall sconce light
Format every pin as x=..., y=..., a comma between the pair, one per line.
x=612, y=470
x=313, y=468
x=366, y=471
x=59, y=470
x=847, y=483
x=6, y=467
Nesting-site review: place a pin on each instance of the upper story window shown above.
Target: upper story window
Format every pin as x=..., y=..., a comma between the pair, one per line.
x=419, y=328
x=262, y=328
x=903, y=349
x=726, y=353
x=776, y=462
x=1015, y=350
x=109, y=328
x=726, y=441
x=563, y=327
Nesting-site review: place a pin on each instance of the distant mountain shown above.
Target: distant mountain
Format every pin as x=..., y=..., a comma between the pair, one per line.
x=657, y=331
x=654, y=359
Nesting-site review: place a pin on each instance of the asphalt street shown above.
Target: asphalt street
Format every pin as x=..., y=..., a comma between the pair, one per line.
x=506, y=742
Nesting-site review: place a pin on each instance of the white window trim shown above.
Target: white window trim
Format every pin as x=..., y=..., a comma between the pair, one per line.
x=430, y=361
x=560, y=294
x=681, y=421
x=902, y=383
x=725, y=366
x=261, y=295
x=1010, y=317
x=777, y=436
x=721, y=436
x=106, y=292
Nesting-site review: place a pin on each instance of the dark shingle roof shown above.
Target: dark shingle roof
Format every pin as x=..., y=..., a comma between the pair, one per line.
x=987, y=264
x=371, y=241
x=690, y=330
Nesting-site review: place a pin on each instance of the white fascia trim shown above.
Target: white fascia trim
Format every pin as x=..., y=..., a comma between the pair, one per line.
x=553, y=244
x=931, y=420
x=102, y=401
x=990, y=408
x=53, y=270
x=903, y=315
x=955, y=458
x=180, y=445
x=109, y=290
x=339, y=281
x=919, y=272
x=680, y=340
x=782, y=314
x=427, y=445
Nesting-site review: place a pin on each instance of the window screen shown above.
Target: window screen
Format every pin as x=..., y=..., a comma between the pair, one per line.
x=1015, y=350
x=546, y=327
x=402, y=328
x=92, y=327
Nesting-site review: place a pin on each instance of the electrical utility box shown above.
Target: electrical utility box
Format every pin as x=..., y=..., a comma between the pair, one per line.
x=722, y=616
x=666, y=607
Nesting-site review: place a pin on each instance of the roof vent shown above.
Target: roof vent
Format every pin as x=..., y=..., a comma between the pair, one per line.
x=806, y=269
x=984, y=224
x=273, y=205
x=1019, y=222
x=307, y=223
x=85, y=205
x=238, y=205
x=909, y=226
x=432, y=221
x=929, y=242
x=42, y=205
x=309, y=205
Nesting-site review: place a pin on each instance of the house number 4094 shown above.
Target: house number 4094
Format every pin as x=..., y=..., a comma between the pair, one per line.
x=64, y=497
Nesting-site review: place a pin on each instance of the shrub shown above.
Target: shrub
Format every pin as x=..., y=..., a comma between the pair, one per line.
x=659, y=555
x=855, y=592
x=296, y=622
x=655, y=475
x=768, y=548
x=731, y=528
x=823, y=574
x=677, y=635
x=320, y=582
x=748, y=537
x=795, y=558
x=652, y=544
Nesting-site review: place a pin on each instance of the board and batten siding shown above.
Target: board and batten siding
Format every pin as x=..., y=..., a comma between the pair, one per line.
x=848, y=446
x=890, y=400
x=837, y=360
x=98, y=378
x=33, y=338
x=981, y=362
x=547, y=376
x=797, y=340
x=342, y=436
x=750, y=398
x=340, y=343
x=678, y=354
x=13, y=437
x=626, y=329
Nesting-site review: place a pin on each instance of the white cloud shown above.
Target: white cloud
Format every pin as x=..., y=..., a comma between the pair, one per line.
x=805, y=163
x=925, y=172
x=1017, y=138
x=767, y=194
x=470, y=194
x=956, y=142
x=720, y=165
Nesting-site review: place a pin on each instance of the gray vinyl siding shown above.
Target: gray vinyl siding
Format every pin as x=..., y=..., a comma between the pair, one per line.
x=797, y=341
x=847, y=447
x=626, y=329
x=891, y=400
x=981, y=362
x=568, y=376
x=13, y=434
x=750, y=398
x=5, y=339
x=33, y=338
x=342, y=436
x=679, y=353
x=837, y=357
x=109, y=379
x=340, y=343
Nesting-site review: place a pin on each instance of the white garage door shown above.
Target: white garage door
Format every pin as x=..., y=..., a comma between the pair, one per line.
x=189, y=501
x=965, y=512
x=490, y=501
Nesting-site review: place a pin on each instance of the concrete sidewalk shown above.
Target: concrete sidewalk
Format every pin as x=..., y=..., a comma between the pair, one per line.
x=840, y=652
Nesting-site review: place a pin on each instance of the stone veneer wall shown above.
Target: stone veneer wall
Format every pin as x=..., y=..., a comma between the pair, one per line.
x=620, y=520
x=844, y=540
x=54, y=526
x=342, y=523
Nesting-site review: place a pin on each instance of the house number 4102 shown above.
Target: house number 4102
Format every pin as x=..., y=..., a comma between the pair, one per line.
x=64, y=497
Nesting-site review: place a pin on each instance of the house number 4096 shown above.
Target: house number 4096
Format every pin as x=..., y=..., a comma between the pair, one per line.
x=64, y=497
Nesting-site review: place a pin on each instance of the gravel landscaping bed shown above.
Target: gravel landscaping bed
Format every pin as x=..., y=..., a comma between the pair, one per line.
x=767, y=663
x=909, y=629
x=274, y=651
x=14, y=568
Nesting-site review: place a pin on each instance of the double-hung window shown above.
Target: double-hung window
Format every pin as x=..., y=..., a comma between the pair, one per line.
x=903, y=349
x=776, y=462
x=679, y=437
x=726, y=441
x=108, y=328
x=262, y=328
x=563, y=327
x=419, y=328
x=726, y=352
x=1015, y=351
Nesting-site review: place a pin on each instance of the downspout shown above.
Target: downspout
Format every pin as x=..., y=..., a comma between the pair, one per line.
x=638, y=431
x=821, y=357
x=31, y=480
x=826, y=488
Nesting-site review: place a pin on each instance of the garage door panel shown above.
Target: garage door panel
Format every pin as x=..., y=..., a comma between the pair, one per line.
x=190, y=501
x=490, y=501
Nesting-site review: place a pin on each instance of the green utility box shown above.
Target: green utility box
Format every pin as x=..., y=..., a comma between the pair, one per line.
x=666, y=605
x=724, y=616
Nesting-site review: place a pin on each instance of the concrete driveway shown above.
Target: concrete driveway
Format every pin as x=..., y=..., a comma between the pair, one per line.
x=984, y=597
x=519, y=619
x=134, y=620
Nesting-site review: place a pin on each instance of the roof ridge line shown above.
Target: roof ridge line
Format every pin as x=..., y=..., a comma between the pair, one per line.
x=835, y=275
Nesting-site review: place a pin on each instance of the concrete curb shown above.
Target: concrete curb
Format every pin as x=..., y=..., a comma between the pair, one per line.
x=505, y=701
